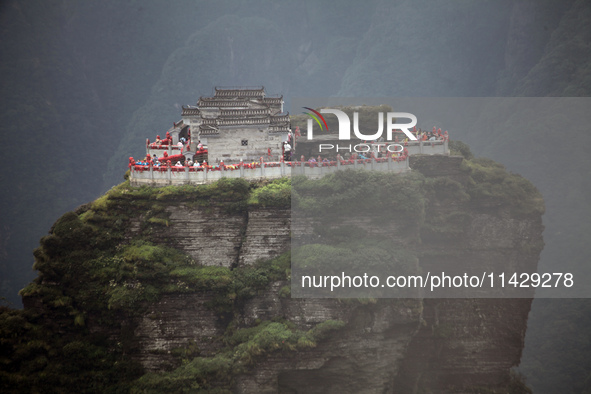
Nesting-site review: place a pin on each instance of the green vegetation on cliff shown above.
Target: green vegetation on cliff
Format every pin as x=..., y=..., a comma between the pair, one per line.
x=93, y=273
x=489, y=180
x=91, y=259
x=243, y=347
x=101, y=266
x=79, y=69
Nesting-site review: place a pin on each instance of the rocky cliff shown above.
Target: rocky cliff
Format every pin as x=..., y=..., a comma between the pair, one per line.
x=187, y=289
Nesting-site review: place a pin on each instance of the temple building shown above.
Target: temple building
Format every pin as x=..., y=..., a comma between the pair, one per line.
x=238, y=124
x=240, y=133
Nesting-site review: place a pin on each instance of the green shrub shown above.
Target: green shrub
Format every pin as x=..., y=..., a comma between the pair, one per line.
x=274, y=194
x=494, y=183
x=445, y=188
x=372, y=194
x=244, y=346
x=285, y=292
x=159, y=221
x=130, y=295
x=458, y=148
x=211, y=278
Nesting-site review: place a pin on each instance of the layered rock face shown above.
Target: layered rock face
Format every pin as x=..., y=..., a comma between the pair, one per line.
x=464, y=344
x=195, y=303
x=361, y=358
x=395, y=346
x=214, y=236
x=470, y=343
x=365, y=356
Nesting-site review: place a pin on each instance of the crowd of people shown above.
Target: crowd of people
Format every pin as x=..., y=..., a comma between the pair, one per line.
x=435, y=135
x=377, y=150
x=160, y=143
x=184, y=142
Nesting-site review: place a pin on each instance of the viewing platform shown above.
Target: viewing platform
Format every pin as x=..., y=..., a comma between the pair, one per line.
x=165, y=175
x=241, y=132
x=181, y=175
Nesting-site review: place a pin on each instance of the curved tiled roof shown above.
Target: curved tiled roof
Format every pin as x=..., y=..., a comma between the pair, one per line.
x=241, y=121
x=240, y=92
x=246, y=112
x=282, y=119
x=273, y=100
x=216, y=102
x=189, y=111
x=208, y=130
x=240, y=106
x=233, y=101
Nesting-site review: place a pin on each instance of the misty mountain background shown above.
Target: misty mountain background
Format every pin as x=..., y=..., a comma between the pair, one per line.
x=83, y=84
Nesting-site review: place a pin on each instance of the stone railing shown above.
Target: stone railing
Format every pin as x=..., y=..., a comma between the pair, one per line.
x=173, y=175
x=438, y=147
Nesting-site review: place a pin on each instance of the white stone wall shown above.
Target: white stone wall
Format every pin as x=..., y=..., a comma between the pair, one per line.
x=186, y=175
x=228, y=145
x=427, y=147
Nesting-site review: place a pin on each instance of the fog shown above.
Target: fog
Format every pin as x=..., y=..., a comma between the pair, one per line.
x=85, y=83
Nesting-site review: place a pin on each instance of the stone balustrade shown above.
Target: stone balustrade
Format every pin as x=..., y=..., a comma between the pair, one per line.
x=173, y=175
